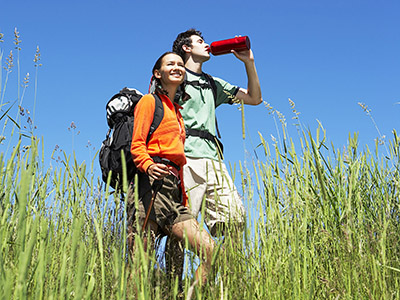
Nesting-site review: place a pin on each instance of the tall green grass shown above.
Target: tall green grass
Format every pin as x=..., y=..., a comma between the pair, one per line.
x=322, y=223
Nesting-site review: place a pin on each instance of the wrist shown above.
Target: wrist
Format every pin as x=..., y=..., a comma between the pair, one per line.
x=146, y=165
x=148, y=169
x=249, y=63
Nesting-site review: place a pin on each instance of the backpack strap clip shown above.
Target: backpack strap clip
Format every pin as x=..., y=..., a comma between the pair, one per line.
x=166, y=162
x=204, y=134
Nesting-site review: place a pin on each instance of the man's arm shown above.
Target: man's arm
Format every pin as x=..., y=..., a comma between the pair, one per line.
x=252, y=95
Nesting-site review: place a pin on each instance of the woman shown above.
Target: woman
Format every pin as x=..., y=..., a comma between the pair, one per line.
x=160, y=160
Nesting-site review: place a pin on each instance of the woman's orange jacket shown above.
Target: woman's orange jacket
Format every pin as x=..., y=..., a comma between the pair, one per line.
x=167, y=141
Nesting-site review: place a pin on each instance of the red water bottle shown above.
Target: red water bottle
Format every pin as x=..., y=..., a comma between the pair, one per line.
x=225, y=46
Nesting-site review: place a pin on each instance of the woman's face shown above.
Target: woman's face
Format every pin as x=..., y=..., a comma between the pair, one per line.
x=172, y=70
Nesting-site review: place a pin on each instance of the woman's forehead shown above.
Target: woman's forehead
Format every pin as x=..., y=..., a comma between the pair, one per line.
x=172, y=57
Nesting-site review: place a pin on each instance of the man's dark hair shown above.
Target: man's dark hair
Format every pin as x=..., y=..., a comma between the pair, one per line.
x=184, y=39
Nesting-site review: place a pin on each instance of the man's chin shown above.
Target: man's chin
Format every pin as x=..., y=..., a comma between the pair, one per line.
x=202, y=58
x=207, y=58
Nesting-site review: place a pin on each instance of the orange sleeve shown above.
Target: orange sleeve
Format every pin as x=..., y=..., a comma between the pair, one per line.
x=142, y=123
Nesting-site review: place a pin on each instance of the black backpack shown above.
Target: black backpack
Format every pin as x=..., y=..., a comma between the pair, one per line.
x=120, y=115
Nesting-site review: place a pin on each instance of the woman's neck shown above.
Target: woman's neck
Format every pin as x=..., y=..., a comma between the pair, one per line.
x=171, y=90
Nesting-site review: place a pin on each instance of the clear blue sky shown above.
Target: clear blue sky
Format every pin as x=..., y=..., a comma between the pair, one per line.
x=325, y=55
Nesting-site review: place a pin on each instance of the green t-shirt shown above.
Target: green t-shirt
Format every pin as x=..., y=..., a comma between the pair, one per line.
x=199, y=112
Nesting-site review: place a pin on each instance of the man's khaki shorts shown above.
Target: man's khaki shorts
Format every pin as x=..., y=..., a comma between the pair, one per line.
x=208, y=183
x=167, y=208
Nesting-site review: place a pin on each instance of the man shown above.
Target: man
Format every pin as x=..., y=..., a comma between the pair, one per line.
x=206, y=178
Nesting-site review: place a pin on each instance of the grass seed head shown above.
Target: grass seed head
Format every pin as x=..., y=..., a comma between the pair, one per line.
x=9, y=62
x=281, y=117
x=72, y=126
x=17, y=39
x=271, y=110
x=364, y=107
x=233, y=98
x=295, y=112
x=37, y=58
x=25, y=81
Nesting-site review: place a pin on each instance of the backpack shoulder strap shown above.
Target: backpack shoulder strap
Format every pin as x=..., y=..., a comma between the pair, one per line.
x=158, y=115
x=211, y=80
x=214, y=90
x=210, y=84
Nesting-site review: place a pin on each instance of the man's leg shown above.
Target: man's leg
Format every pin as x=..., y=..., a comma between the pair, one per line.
x=200, y=242
x=225, y=213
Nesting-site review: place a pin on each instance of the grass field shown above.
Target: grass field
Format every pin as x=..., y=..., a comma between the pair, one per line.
x=322, y=224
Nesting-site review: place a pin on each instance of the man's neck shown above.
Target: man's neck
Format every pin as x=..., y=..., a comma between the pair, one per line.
x=194, y=66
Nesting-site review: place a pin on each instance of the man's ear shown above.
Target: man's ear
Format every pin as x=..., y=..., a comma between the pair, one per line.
x=187, y=48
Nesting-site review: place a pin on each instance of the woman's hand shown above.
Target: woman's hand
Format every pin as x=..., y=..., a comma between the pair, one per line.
x=157, y=171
